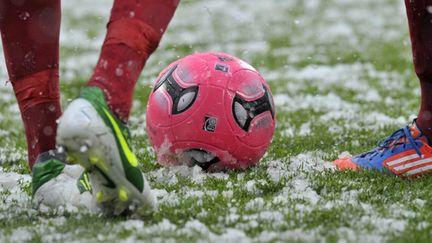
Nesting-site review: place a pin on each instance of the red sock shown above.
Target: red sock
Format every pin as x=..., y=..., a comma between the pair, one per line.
x=134, y=32
x=30, y=34
x=419, y=14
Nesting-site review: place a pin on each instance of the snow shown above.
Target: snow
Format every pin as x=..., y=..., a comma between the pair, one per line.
x=224, y=29
x=256, y=204
x=12, y=181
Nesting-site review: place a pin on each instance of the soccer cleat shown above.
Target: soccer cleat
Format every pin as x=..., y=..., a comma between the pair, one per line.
x=405, y=153
x=56, y=184
x=93, y=137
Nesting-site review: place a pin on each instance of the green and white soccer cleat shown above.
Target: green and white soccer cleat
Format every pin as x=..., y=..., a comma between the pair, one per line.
x=93, y=137
x=56, y=184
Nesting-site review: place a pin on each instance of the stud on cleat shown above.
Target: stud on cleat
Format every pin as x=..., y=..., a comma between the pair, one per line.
x=94, y=160
x=123, y=194
x=99, y=197
x=83, y=148
x=61, y=150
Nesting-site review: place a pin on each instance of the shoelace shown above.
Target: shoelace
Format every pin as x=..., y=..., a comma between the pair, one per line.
x=400, y=137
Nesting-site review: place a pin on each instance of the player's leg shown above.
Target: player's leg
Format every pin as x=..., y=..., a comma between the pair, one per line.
x=134, y=31
x=407, y=152
x=100, y=140
x=419, y=14
x=30, y=35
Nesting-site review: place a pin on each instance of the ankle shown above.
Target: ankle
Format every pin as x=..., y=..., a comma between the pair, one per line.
x=425, y=125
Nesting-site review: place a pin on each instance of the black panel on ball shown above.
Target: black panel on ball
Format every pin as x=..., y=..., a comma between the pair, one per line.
x=253, y=108
x=168, y=82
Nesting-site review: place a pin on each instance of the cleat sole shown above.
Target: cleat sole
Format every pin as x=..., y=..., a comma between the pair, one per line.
x=91, y=143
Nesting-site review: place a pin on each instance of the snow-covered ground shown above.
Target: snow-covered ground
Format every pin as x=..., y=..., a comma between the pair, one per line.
x=307, y=71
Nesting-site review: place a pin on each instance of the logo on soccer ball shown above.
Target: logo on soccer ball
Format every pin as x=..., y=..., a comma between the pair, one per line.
x=222, y=67
x=244, y=111
x=210, y=124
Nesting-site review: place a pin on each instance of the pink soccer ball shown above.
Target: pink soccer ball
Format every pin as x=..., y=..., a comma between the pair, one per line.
x=212, y=110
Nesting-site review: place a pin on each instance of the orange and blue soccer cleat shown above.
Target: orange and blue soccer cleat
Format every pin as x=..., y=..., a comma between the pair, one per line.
x=405, y=153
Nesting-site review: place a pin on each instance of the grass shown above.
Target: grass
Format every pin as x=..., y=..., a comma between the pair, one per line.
x=322, y=62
